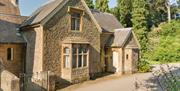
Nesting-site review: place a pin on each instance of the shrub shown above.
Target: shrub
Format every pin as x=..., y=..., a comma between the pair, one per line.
x=165, y=45
x=143, y=66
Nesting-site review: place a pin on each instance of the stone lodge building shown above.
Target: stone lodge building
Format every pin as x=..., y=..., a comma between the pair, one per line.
x=66, y=38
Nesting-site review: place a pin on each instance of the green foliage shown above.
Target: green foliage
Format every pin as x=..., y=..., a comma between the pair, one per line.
x=140, y=23
x=102, y=5
x=143, y=66
x=167, y=47
x=123, y=12
x=90, y=4
x=157, y=11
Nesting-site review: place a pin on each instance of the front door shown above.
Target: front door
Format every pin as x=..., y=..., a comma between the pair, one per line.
x=106, y=64
x=115, y=61
x=107, y=61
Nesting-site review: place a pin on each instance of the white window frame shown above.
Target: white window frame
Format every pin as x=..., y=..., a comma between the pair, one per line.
x=82, y=54
x=66, y=62
x=69, y=64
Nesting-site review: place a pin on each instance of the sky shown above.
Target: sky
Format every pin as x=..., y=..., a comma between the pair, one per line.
x=28, y=6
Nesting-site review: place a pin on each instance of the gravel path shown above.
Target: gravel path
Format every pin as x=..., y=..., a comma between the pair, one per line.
x=114, y=83
x=135, y=82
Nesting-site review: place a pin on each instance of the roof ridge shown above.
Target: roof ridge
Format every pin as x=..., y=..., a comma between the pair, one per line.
x=123, y=29
x=47, y=2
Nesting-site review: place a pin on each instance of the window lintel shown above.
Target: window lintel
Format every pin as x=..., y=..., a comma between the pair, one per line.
x=75, y=9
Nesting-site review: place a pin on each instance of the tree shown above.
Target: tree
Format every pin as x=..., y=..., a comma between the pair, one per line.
x=168, y=6
x=123, y=11
x=90, y=4
x=102, y=5
x=161, y=10
x=140, y=23
x=157, y=12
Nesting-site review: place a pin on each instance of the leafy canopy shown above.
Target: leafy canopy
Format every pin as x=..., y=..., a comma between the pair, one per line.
x=102, y=5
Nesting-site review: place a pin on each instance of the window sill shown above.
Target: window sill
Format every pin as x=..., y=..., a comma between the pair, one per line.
x=75, y=31
x=80, y=68
x=9, y=60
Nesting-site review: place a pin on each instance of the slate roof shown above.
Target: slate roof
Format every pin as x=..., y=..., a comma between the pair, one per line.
x=121, y=37
x=42, y=12
x=8, y=30
x=107, y=21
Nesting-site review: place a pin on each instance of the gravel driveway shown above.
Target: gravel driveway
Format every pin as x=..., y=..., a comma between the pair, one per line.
x=135, y=82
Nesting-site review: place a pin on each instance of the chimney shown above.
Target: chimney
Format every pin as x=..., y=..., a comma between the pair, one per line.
x=9, y=7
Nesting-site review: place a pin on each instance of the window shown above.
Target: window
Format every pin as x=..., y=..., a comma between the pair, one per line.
x=127, y=56
x=74, y=59
x=75, y=55
x=80, y=56
x=66, y=57
x=10, y=54
x=75, y=21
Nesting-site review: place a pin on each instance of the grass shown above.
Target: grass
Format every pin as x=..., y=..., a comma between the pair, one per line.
x=158, y=62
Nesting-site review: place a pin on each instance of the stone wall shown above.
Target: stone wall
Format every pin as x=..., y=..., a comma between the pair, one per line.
x=42, y=81
x=8, y=81
x=57, y=30
x=128, y=61
x=16, y=65
x=80, y=75
x=34, y=60
x=135, y=58
x=132, y=50
x=7, y=7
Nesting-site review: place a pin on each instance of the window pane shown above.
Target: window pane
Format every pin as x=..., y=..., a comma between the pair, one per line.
x=80, y=49
x=73, y=24
x=74, y=50
x=10, y=54
x=85, y=61
x=74, y=61
x=66, y=50
x=66, y=61
x=85, y=49
x=77, y=23
x=80, y=61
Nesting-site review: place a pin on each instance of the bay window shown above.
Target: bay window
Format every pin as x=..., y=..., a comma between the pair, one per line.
x=76, y=56
x=66, y=57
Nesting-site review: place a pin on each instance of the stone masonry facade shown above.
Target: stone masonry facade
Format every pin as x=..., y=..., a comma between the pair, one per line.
x=58, y=29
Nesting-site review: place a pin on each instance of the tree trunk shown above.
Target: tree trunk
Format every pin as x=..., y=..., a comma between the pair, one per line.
x=169, y=13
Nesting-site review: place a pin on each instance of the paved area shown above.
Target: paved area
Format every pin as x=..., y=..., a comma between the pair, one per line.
x=115, y=83
x=135, y=82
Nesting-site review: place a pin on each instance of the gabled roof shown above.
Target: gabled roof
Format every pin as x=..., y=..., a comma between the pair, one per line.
x=107, y=21
x=48, y=10
x=43, y=12
x=121, y=36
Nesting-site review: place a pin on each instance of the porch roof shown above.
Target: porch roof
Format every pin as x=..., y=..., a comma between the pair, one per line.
x=121, y=36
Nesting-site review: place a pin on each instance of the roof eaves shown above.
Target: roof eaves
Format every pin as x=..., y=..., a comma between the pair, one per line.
x=91, y=15
x=53, y=12
x=127, y=37
x=29, y=26
x=134, y=35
